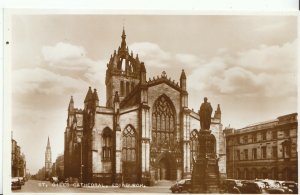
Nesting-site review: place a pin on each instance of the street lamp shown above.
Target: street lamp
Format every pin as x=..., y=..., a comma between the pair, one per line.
x=81, y=165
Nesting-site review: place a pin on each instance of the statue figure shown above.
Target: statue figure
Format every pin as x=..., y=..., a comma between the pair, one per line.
x=205, y=115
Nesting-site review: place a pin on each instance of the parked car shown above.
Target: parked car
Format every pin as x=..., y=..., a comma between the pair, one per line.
x=274, y=187
x=15, y=183
x=54, y=180
x=279, y=190
x=229, y=184
x=253, y=187
x=182, y=185
x=293, y=186
x=269, y=183
x=22, y=180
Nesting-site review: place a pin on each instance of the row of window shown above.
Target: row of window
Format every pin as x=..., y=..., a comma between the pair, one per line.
x=129, y=144
x=253, y=137
x=125, y=88
x=263, y=153
x=254, y=173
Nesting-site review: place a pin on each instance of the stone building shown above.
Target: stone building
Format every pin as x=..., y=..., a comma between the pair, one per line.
x=59, y=166
x=264, y=150
x=18, y=161
x=144, y=133
x=48, y=160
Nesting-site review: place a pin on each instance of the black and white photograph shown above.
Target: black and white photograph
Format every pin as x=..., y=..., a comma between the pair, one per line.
x=167, y=102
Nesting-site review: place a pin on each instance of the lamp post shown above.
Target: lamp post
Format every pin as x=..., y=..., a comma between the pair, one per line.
x=81, y=165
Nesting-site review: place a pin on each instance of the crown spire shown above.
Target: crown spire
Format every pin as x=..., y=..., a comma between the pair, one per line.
x=123, y=44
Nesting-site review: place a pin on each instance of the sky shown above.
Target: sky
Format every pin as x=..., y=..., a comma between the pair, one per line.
x=247, y=64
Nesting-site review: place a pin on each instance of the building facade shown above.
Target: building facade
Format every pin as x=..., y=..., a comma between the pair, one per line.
x=59, y=166
x=18, y=161
x=264, y=150
x=48, y=160
x=143, y=134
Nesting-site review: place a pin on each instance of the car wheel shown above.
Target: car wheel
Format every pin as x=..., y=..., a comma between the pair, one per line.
x=173, y=191
x=179, y=190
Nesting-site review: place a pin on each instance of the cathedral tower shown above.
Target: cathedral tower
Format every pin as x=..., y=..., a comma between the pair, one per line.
x=123, y=72
x=48, y=160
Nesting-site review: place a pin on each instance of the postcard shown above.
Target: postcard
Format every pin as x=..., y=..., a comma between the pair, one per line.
x=166, y=102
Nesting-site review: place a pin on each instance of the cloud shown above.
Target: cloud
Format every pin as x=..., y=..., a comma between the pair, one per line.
x=151, y=54
x=262, y=72
x=188, y=60
x=62, y=51
x=72, y=60
x=39, y=80
x=270, y=58
x=66, y=56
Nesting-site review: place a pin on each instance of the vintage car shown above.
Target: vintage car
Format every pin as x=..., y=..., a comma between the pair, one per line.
x=15, y=183
x=182, y=185
x=54, y=180
x=253, y=187
x=22, y=180
x=229, y=184
x=293, y=186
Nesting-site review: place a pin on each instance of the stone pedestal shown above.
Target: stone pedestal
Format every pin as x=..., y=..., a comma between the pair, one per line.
x=205, y=175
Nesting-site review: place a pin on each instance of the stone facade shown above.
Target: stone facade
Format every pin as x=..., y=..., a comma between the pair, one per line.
x=145, y=133
x=264, y=150
x=18, y=161
x=59, y=166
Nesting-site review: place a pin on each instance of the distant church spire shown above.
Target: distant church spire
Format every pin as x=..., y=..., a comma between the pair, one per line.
x=48, y=159
x=48, y=143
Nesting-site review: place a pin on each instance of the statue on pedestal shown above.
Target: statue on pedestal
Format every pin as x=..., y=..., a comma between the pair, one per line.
x=205, y=175
x=205, y=114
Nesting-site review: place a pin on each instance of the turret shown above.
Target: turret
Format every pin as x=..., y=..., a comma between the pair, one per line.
x=89, y=95
x=71, y=105
x=183, y=80
x=184, y=93
x=218, y=113
x=143, y=73
x=95, y=97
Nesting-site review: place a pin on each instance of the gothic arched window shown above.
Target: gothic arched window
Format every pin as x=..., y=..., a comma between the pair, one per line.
x=122, y=88
x=129, y=144
x=193, y=146
x=163, y=123
x=107, y=144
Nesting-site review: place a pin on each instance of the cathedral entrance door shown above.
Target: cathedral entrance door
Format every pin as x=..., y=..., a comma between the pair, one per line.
x=164, y=169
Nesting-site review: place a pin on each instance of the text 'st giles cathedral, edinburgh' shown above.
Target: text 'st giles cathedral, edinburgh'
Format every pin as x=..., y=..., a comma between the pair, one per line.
x=145, y=133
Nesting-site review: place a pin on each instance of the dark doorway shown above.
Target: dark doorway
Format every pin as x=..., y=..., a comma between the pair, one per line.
x=164, y=169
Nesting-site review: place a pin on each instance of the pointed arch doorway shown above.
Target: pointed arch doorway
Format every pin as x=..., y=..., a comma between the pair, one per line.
x=164, y=169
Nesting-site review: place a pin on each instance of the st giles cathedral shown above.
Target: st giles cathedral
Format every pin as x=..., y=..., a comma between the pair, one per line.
x=145, y=133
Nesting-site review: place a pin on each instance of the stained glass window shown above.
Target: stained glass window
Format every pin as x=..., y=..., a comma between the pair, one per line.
x=107, y=144
x=163, y=118
x=129, y=144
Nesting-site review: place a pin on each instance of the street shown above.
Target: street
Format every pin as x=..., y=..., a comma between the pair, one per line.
x=45, y=186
